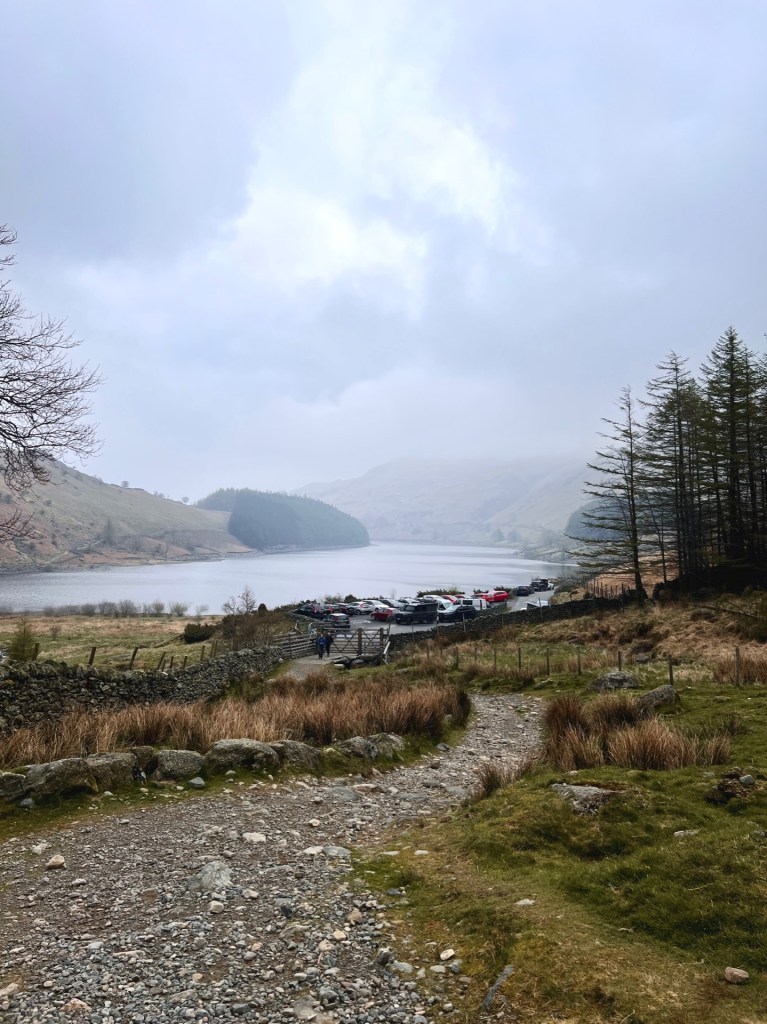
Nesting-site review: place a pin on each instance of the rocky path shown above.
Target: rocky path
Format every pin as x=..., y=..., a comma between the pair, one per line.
x=235, y=905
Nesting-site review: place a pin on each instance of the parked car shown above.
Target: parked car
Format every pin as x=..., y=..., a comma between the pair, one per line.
x=458, y=613
x=524, y=591
x=494, y=596
x=383, y=614
x=422, y=611
x=472, y=602
x=338, y=620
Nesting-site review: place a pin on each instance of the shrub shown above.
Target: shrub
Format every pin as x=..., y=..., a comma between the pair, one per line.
x=196, y=632
x=22, y=644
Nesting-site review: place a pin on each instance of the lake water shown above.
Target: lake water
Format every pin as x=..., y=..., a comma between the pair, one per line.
x=381, y=570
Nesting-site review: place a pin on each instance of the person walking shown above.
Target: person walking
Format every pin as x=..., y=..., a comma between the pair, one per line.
x=328, y=643
x=320, y=645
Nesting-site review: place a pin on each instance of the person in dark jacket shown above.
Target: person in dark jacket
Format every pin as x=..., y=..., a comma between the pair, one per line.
x=328, y=643
x=320, y=646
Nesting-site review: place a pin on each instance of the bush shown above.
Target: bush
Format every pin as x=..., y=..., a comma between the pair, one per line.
x=196, y=632
x=22, y=643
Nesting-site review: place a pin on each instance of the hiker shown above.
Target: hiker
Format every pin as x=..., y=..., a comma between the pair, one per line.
x=328, y=643
x=320, y=646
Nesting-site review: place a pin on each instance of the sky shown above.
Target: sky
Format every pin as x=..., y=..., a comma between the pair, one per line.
x=301, y=238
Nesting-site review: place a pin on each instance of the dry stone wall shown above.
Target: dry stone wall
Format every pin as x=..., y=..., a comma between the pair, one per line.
x=43, y=691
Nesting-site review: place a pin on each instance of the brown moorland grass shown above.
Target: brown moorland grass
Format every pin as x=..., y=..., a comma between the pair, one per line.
x=319, y=710
x=613, y=729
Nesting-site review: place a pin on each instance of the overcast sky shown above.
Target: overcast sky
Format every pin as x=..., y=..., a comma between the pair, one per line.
x=304, y=238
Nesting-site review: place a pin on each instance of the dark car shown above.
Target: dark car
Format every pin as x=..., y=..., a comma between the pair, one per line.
x=458, y=613
x=524, y=591
x=421, y=611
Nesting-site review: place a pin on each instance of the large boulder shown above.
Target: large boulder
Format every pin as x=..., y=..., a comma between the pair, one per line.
x=178, y=764
x=293, y=754
x=11, y=785
x=113, y=771
x=228, y=754
x=389, y=745
x=358, y=746
x=59, y=778
x=215, y=876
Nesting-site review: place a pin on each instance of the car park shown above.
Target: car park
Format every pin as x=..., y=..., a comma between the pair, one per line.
x=338, y=620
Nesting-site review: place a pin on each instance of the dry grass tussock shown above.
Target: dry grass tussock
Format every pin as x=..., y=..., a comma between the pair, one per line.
x=495, y=775
x=612, y=729
x=753, y=667
x=318, y=709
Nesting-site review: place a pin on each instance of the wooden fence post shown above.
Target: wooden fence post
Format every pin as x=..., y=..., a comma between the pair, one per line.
x=671, y=670
x=183, y=663
x=170, y=665
x=578, y=660
x=133, y=657
x=620, y=660
x=37, y=651
x=92, y=655
x=519, y=657
x=202, y=653
x=359, y=642
x=160, y=663
x=737, y=666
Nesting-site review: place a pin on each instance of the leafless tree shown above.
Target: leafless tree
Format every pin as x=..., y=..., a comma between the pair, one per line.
x=43, y=395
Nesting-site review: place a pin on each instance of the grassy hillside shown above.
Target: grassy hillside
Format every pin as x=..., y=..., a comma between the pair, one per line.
x=525, y=503
x=77, y=520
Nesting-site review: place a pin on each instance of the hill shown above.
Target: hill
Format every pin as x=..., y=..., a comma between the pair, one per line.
x=77, y=520
x=269, y=521
x=525, y=503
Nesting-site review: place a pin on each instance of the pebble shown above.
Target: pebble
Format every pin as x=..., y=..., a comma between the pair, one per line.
x=176, y=914
x=56, y=863
x=735, y=976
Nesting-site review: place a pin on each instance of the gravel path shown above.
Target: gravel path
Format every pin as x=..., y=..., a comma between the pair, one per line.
x=235, y=905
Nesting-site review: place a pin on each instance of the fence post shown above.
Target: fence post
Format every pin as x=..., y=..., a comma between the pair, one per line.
x=92, y=655
x=213, y=648
x=620, y=660
x=548, y=662
x=37, y=651
x=133, y=657
x=359, y=642
x=202, y=653
x=519, y=657
x=183, y=663
x=737, y=666
x=381, y=639
x=671, y=670
x=578, y=659
x=170, y=664
x=160, y=663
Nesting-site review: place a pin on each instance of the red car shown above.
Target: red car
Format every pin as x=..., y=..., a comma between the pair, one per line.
x=382, y=614
x=495, y=596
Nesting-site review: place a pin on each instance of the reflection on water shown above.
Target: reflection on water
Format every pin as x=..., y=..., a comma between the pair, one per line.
x=386, y=569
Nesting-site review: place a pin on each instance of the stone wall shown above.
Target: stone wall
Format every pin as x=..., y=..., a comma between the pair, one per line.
x=41, y=691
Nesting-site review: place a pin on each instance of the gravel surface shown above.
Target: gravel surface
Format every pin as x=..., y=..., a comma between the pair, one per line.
x=236, y=905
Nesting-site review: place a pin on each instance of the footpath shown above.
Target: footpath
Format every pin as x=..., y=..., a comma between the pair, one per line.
x=238, y=905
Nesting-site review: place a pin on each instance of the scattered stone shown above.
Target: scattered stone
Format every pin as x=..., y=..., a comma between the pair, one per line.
x=735, y=976
x=57, y=862
x=254, y=837
x=615, y=681
x=747, y=780
x=215, y=876
x=660, y=697
x=683, y=832
x=216, y=907
x=76, y=1006
x=447, y=954
x=197, y=782
x=584, y=799
x=525, y=903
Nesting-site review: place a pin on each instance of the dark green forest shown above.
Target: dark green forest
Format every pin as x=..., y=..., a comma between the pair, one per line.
x=679, y=487
x=265, y=520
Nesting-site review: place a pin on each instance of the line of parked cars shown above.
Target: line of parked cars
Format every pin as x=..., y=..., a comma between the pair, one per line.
x=535, y=586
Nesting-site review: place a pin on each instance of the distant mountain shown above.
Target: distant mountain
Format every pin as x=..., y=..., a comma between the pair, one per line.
x=526, y=503
x=267, y=521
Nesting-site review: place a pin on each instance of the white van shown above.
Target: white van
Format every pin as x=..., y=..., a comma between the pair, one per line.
x=473, y=602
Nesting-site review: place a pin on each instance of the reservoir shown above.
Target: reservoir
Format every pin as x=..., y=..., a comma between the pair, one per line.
x=380, y=570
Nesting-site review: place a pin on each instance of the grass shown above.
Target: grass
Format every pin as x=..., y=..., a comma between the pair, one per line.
x=318, y=709
x=629, y=923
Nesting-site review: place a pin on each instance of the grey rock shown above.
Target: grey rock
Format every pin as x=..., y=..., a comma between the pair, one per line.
x=178, y=764
x=358, y=746
x=298, y=755
x=197, y=783
x=11, y=785
x=658, y=698
x=112, y=771
x=59, y=778
x=388, y=745
x=215, y=876
x=240, y=753
x=615, y=681
x=584, y=799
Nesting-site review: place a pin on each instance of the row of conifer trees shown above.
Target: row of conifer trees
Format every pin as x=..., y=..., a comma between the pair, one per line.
x=680, y=485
